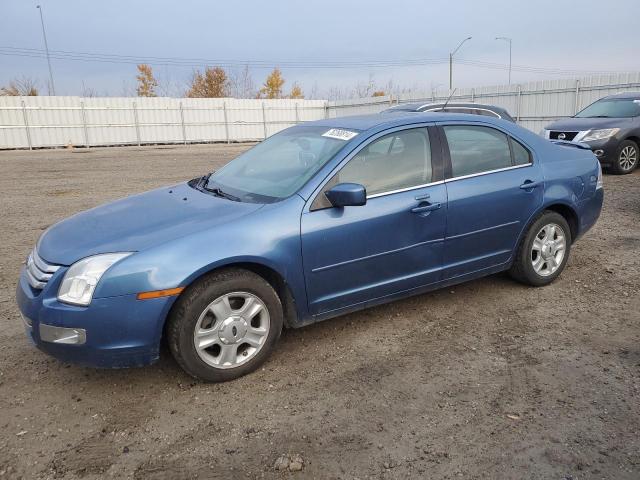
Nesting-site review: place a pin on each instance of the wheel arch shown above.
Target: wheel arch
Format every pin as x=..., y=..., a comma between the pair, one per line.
x=634, y=137
x=267, y=272
x=567, y=212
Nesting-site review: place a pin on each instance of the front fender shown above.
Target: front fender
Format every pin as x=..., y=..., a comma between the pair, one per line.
x=271, y=239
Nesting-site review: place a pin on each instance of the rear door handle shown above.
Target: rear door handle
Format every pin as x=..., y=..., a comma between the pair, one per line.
x=529, y=184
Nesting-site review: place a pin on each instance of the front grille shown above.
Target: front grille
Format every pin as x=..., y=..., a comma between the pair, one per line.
x=38, y=271
x=568, y=136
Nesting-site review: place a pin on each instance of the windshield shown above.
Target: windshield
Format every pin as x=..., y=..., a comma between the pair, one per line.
x=614, y=108
x=277, y=167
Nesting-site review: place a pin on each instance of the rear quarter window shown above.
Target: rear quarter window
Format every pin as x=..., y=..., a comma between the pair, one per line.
x=521, y=156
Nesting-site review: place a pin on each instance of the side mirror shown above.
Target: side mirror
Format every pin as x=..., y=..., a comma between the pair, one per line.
x=347, y=195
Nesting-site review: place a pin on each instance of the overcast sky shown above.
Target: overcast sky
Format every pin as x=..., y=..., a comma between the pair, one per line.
x=587, y=35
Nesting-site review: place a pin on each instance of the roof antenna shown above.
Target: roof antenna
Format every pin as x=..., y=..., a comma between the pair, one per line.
x=445, y=103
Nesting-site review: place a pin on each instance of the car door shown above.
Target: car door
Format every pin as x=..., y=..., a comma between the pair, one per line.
x=393, y=243
x=494, y=186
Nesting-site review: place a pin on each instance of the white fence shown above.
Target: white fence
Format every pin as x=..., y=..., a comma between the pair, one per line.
x=33, y=122
x=533, y=104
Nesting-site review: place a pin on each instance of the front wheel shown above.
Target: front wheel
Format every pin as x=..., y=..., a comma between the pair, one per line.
x=544, y=251
x=225, y=325
x=626, y=159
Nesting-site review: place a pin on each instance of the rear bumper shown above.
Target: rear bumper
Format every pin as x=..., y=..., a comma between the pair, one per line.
x=112, y=332
x=589, y=212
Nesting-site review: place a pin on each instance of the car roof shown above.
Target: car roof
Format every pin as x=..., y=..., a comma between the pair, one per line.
x=399, y=118
x=625, y=95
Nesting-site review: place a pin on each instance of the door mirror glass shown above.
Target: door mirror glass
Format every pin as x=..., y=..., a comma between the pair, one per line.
x=347, y=195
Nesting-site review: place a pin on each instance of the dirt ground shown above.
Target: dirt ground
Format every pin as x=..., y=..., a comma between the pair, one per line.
x=489, y=379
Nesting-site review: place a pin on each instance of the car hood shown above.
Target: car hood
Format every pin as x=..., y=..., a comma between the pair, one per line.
x=579, y=124
x=138, y=222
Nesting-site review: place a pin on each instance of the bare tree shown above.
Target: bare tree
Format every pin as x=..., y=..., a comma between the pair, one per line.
x=241, y=83
x=364, y=89
x=88, y=92
x=127, y=90
x=21, y=86
x=314, y=94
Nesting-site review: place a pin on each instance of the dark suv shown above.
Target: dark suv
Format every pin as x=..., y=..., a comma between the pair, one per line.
x=610, y=126
x=472, y=108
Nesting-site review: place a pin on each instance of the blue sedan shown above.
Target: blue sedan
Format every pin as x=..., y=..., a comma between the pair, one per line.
x=316, y=221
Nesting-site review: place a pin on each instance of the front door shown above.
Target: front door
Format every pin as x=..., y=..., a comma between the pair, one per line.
x=393, y=243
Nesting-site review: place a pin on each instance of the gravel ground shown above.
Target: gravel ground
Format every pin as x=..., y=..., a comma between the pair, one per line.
x=489, y=379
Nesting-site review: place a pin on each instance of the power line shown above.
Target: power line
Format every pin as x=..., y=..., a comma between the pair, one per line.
x=316, y=64
x=177, y=61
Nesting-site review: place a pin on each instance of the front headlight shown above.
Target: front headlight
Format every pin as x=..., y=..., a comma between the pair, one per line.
x=80, y=281
x=593, y=135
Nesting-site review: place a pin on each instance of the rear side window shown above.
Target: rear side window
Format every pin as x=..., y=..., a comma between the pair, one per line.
x=477, y=149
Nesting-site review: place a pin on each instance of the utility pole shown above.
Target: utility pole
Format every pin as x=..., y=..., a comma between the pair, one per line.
x=451, y=62
x=507, y=39
x=46, y=47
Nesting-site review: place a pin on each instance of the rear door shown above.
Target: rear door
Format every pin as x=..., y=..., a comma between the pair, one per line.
x=393, y=243
x=494, y=186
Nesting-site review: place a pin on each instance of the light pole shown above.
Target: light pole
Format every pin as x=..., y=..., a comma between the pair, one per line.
x=46, y=47
x=451, y=62
x=507, y=39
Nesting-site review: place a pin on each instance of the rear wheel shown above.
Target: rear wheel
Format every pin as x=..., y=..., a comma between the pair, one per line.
x=626, y=159
x=544, y=251
x=225, y=325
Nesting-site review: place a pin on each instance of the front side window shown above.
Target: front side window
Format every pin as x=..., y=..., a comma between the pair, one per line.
x=279, y=166
x=393, y=162
x=476, y=149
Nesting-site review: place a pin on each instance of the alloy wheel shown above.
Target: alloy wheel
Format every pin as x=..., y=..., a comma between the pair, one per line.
x=231, y=330
x=548, y=250
x=628, y=158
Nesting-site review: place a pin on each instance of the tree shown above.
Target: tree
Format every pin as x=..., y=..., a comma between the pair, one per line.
x=23, y=86
x=272, y=87
x=296, y=92
x=378, y=93
x=213, y=83
x=241, y=84
x=146, y=81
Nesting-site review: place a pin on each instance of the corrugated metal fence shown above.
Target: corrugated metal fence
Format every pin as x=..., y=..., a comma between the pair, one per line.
x=533, y=104
x=32, y=122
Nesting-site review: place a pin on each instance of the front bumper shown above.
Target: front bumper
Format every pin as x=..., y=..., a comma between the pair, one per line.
x=605, y=150
x=111, y=332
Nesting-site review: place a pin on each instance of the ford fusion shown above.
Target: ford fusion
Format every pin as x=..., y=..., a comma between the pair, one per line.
x=316, y=221
x=611, y=128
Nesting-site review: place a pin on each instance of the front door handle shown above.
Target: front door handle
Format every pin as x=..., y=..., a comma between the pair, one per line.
x=530, y=184
x=426, y=208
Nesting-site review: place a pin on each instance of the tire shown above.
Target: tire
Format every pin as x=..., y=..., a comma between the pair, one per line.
x=239, y=318
x=528, y=254
x=626, y=159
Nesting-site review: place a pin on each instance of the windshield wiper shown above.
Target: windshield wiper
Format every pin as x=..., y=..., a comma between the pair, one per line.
x=221, y=193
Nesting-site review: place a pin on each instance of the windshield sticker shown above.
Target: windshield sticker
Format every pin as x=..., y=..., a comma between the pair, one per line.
x=339, y=134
